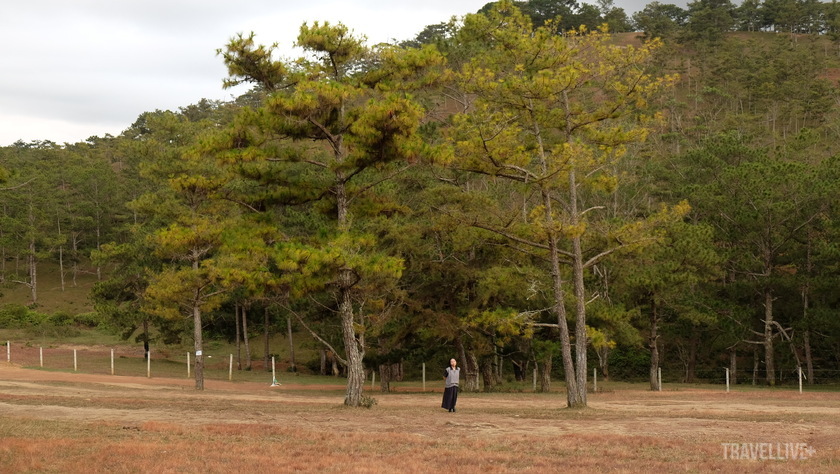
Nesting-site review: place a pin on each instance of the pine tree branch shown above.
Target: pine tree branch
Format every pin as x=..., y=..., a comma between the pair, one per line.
x=315, y=335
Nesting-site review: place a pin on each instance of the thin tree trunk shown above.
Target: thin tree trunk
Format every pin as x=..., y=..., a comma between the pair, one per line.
x=497, y=364
x=146, y=338
x=809, y=362
x=385, y=377
x=334, y=364
x=769, y=357
x=238, y=337
x=578, y=399
x=654, y=348
x=544, y=373
x=806, y=293
x=199, y=344
x=733, y=367
x=574, y=397
x=559, y=310
x=604, y=361
x=267, y=348
x=520, y=368
x=291, y=344
x=33, y=273
x=245, y=340
x=61, y=265
x=75, y=252
x=690, y=372
x=469, y=365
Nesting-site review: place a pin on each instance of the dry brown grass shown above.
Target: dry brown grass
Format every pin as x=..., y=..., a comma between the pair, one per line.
x=68, y=423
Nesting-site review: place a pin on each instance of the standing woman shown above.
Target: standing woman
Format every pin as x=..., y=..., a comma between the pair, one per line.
x=450, y=393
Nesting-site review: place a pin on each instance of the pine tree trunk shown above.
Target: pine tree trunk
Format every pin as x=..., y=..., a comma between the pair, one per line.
x=238, y=337
x=355, y=369
x=690, y=372
x=809, y=362
x=559, y=310
x=61, y=265
x=245, y=339
x=385, y=377
x=146, y=338
x=545, y=374
x=488, y=375
x=199, y=344
x=520, y=369
x=733, y=367
x=267, y=348
x=604, y=361
x=469, y=364
x=292, y=346
x=581, y=336
x=33, y=273
x=653, y=346
x=769, y=357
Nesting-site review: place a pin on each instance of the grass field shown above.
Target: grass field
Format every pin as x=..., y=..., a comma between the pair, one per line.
x=65, y=419
x=59, y=421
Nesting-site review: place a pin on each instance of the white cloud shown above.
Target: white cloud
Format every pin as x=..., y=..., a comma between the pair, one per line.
x=77, y=68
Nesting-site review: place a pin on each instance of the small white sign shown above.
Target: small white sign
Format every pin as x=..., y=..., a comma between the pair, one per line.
x=197, y=353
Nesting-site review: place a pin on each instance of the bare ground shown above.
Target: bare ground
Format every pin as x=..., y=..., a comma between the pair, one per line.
x=306, y=428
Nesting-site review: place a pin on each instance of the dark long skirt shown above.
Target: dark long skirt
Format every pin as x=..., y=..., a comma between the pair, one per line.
x=450, y=397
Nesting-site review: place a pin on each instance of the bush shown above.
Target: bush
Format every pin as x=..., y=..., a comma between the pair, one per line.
x=14, y=316
x=61, y=318
x=367, y=402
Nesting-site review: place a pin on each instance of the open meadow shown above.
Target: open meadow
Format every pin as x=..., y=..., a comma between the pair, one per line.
x=59, y=421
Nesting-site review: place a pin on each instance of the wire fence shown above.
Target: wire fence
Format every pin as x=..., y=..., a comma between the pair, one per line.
x=170, y=363
x=131, y=361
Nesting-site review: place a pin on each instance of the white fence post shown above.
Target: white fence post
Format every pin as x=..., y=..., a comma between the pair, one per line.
x=424, y=376
x=112, y=361
x=149, y=364
x=41, y=355
x=8, y=351
x=595, y=379
x=230, y=369
x=274, y=381
x=799, y=369
x=535, y=380
x=188, y=364
x=727, y=380
x=659, y=378
x=75, y=362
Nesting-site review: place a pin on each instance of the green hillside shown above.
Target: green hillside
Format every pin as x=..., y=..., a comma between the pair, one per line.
x=52, y=298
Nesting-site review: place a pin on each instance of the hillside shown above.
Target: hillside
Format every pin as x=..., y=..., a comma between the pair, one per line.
x=51, y=297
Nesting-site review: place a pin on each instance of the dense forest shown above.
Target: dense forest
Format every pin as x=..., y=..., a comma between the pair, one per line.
x=541, y=185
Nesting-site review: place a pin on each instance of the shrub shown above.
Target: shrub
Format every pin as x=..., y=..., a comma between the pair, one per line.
x=14, y=316
x=367, y=401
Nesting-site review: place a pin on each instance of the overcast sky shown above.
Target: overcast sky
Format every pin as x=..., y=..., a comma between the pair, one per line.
x=72, y=69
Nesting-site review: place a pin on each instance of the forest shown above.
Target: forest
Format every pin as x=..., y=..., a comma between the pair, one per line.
x=542, y=185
